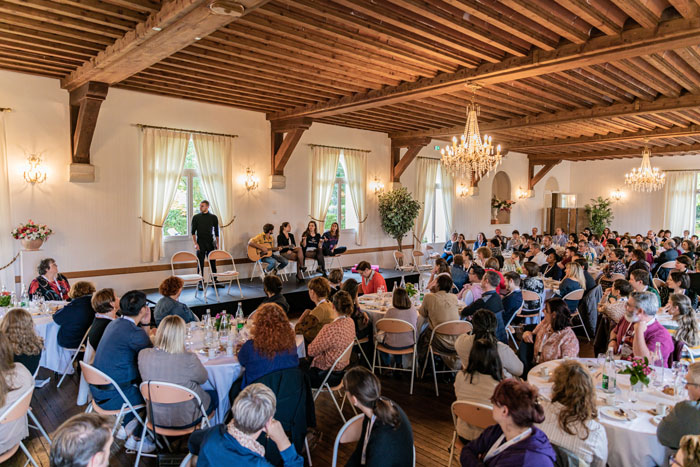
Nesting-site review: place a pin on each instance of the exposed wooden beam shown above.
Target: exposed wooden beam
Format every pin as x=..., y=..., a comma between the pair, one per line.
x=532, y=177
x=674, y=132
x=614, y=154
x=85, y=103
x=672, y=34
x=637, y=108
x=400, y=164
x=285, y=137
x=179, y=23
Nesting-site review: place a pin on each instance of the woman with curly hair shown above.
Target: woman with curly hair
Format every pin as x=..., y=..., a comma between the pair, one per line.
x=170, y=289
x=570, y=416
x=15, y=380
x=272, y=346
x=18, y=326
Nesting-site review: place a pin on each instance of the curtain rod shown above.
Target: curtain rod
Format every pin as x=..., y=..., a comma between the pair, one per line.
x=681, y=170
x=338, y=147
x=431, y=158
x=141, y=125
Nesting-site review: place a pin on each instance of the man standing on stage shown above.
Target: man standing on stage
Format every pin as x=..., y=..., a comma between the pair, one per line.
x=205, y=235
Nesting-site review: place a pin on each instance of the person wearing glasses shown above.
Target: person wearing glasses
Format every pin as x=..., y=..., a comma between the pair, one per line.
x=684, y=418
x=689, y=453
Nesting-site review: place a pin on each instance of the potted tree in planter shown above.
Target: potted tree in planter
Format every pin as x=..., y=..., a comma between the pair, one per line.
x=398, y=211
x=600, y=214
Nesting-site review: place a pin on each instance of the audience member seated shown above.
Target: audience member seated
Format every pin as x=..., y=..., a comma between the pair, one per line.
x=615, y=265
x=272, y=286
x=573, y=280
x=477, y=380
x=552, y=269
x=638, y=331
x=669, y=254
x=84, y=440
x=335, y=278
x=591, y=283
x=106, y=305
x=533, y=283
x=15, y=380
x=330, y=241
x=330, y=343
x=688, y=455
x=641, y=282
x=236, y=443
x=312, y=243
x=447, y=248
x=458, y=273
x=168, y=305
x=290, y=250
x=536, y=255
x=684, y=418
x=272, y=345
x=117, y=356
x=386, y=436
x=515, y=242
x=18, y=327
x=472, y=289
x=484, y=325
x=614, y=301
x=311, y=321
x=638, y=261
x=439, y=307
x=363, y=325
x=586, y=252
x=76, y=317
x=571, y=413
x=371, y=279
x=482, y=255
x=495, y=246
x=460, y=246
x=170, y=362
x=552, y=339
x=688, y=249
x=568, y=257
x=513, y=299
x=492, y=264
x=688, y=330
x=490, y=300
x=401, y=308
x=684, y=264
x=514, y=262
x=480, y=241
x=559, y=238
x=679, y=282
x=49, y=284
x=514, y=440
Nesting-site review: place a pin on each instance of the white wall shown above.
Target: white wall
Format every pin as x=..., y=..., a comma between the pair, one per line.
x=636, y=212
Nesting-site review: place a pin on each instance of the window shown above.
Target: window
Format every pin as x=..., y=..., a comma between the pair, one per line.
x=697, y=204
x=187, y=198
x=341, y=209
x=436, y=230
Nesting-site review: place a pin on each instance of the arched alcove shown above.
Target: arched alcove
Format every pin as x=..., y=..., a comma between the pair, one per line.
x=551, y=185
x=500, y=188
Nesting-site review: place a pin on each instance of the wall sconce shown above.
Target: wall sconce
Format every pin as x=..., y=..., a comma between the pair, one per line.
x=617, y=194
x=251, y=181
x=35, y=172
x=521, y=194
x=462, y=190
x=376, y=185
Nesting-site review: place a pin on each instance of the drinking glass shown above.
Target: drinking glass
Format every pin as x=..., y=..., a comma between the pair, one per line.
x=601, y=359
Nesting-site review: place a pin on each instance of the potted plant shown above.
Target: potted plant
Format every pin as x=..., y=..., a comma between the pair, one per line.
x=398, y=211
x=32, y=235
x=639, y=372
x=600, y=214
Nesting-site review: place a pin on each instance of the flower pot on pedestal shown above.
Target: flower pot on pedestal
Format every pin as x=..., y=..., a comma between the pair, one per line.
x=31, y=245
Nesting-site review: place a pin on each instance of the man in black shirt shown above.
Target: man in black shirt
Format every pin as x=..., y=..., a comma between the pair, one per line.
x=205, y=235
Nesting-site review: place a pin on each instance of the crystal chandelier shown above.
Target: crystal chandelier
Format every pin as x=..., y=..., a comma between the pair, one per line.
x=645, y=178
x=471, y=157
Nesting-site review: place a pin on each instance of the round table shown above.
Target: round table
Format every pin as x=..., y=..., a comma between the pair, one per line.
x=53, y=356
x=630, y=443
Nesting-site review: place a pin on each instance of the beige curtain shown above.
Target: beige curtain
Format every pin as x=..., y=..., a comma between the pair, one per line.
x=162, y=160
x=324, y=165
x=7, y=275
x=679, y=202
x=356, y=165
x=215, y=156
x=426, y=174
x=448, y=196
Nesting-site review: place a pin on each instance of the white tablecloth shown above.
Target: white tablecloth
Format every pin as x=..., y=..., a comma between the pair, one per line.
x=630, y=443
x=54, y=357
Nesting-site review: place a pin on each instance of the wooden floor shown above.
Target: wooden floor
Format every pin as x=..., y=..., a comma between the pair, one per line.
x=429, y=415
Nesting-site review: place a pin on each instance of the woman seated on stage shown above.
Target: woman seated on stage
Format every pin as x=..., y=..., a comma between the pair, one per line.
x=290, y=250
x=170, y=289
x=312, y=243
x=26, y=345
x=49, y=284
x=272, y=285
x=330, y=241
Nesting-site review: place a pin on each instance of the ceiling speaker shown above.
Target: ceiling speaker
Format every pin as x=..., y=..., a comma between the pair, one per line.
x=227, y=8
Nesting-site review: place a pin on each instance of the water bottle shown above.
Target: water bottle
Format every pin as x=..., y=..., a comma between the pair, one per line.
x=609, y=373
x=24, y=300
x=403, y=283
x=240, y=317
x=658, y=361
x=208, y=328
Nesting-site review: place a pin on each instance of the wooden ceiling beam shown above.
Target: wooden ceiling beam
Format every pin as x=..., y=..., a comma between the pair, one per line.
x=532, y=177
x=176, y=25
x=85, y=103
x=625, y=153
x=687, y=8
x=399, y=164
x=646, y=13
x=553, y=17
x=600, y=14
x=285, y=137
x=671, y=34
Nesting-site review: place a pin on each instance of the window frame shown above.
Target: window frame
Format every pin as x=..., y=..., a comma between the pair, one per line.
x=190, y=174
x=432, y=224
x=337, y=183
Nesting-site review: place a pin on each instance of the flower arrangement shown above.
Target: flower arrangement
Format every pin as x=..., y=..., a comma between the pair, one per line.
x=411, y=290
x=31, y=231
x=502, y=204
x=638, y=370
x=5, y=298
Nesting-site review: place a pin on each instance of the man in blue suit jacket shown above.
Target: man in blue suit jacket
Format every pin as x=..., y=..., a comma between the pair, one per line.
x=670, y=254
x=513, y=300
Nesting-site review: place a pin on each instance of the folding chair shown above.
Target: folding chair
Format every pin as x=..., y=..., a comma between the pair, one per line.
x=474, y=413
x=310, y=269
x=418, y=261
x=667, y=265
x=17, y=410
x=348, y=433
x=509, y=329
x=226, y=275
x=358, y=343
x=577, y=295
x=528, y=296
x=448, y=328
x=614, y=277
x=186, y=461
x=658, y=283
x=96, y=377
x=398, y=257
x=74, y=352
x=162, y=393
x=334, y=261
x=395, y=326
x=345, y=357
x=189, y=279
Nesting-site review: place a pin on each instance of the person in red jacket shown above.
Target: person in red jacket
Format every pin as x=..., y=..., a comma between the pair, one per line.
x=371, y=279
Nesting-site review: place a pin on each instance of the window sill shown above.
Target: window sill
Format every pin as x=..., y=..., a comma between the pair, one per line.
x=176, y=238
